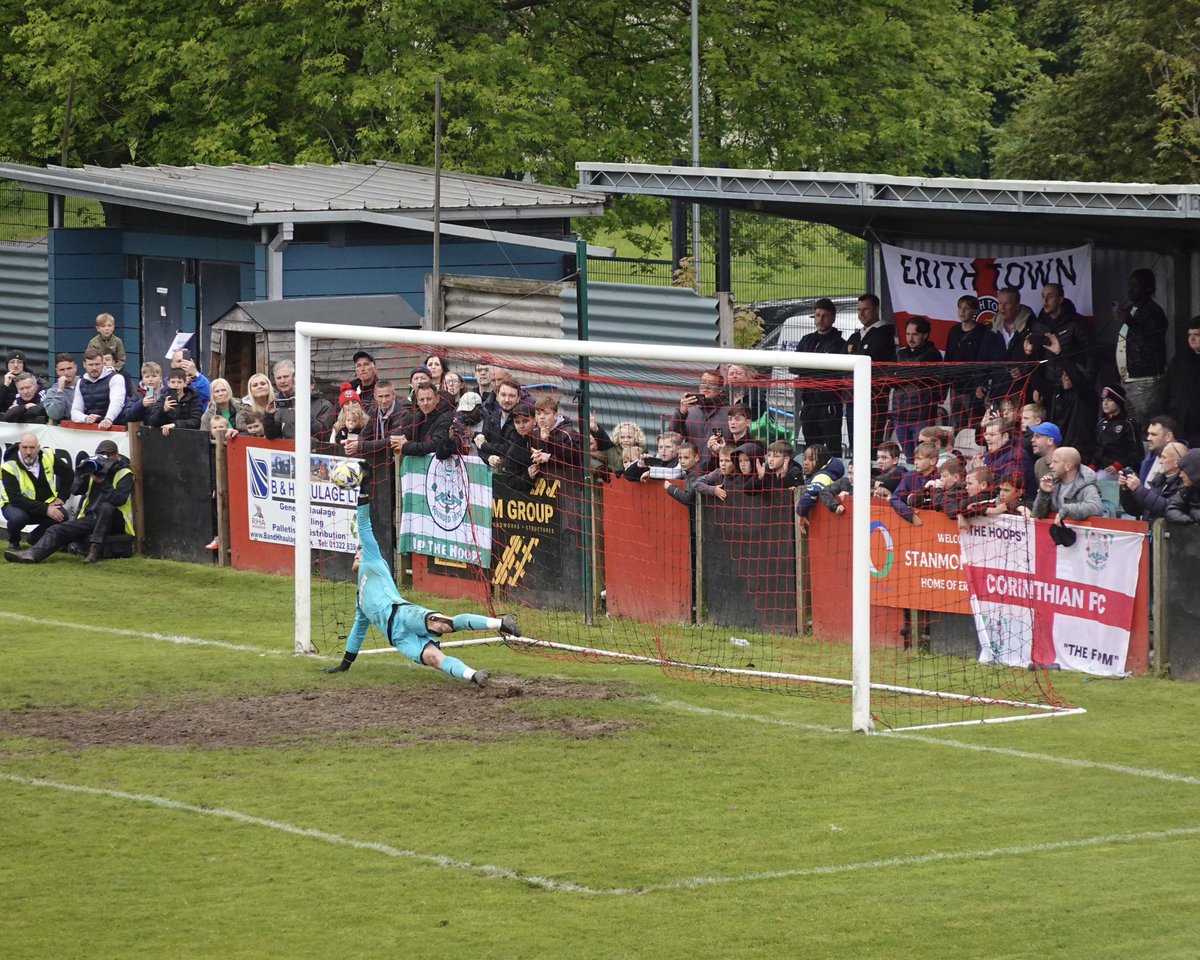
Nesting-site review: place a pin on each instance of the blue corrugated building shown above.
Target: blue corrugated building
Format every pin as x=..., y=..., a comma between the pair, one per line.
x=182, y=245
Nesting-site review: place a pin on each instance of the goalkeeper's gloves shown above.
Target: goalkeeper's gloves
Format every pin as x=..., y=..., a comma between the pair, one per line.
x=347, y=659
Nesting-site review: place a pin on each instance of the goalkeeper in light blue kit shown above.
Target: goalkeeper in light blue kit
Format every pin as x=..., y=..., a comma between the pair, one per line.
x=412, y=630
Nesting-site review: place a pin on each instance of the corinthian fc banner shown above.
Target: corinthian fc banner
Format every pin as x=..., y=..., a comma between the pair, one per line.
x=447, y=509
x=1036, y=602
x=929, y=284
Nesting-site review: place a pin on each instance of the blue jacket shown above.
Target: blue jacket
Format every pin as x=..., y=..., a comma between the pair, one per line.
x=833, y=471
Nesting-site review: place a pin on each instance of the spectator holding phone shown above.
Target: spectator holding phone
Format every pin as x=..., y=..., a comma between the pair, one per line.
x=146, y=395
x=180, y=407
x=700, y=413
x=279, y=420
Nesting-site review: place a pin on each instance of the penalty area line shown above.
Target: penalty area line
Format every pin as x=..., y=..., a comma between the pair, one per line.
x=492, y=872
x=1146, y=773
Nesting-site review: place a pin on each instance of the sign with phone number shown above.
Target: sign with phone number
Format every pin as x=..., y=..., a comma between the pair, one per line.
x=271, y=494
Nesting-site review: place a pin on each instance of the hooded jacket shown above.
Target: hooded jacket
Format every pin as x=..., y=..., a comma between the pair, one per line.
x=825, y=476
x=1076, y=500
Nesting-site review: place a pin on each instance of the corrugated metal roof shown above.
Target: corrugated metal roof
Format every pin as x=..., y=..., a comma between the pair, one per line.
x=246, y=191
x=388, y=311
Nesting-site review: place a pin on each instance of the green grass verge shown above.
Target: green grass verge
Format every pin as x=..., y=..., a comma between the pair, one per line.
x=820, y=845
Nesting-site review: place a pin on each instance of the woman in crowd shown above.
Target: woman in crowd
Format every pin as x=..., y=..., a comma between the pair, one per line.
x=260, y=399
x=437, y=369
x=453, y=386
x=223, y=410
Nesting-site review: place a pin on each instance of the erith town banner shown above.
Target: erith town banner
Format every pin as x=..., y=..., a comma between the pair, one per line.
x=1037, y=602
x=447, y=509
x=929, y=284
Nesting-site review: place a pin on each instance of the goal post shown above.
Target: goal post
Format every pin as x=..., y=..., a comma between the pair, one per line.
x=856, y=368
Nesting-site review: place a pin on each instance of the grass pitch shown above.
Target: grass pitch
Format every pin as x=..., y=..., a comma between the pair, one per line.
x=391, y=812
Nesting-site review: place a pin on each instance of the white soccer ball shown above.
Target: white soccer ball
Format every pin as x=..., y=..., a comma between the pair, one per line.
x=347, y=474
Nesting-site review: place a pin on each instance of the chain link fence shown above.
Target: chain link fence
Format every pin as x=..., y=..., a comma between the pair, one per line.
x=25, y=214
x=771, y=258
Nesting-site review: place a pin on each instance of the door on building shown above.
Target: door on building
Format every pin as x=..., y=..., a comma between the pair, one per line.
x=220, y=289
x=162, y=308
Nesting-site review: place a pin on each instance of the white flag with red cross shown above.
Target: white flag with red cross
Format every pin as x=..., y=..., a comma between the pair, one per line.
x=1038, y=603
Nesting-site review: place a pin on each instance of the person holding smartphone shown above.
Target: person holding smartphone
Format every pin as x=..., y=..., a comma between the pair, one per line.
x=700, y=412
x=180, y=407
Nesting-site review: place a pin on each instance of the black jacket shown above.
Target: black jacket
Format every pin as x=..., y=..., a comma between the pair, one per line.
x=1146, y=340
x=186, y=413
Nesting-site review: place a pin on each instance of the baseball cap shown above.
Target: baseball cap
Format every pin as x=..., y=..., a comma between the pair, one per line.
x=346, y=396
x=106, y=446
x=523, y=409
x=468, y=402
x=1048, y=430
x=362, y=355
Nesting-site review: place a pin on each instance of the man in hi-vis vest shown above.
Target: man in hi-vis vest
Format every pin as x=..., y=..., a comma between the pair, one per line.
x=106, y=485
x=33, y=485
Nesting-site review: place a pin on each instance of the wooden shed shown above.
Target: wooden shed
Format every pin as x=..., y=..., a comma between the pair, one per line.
x=252, y=336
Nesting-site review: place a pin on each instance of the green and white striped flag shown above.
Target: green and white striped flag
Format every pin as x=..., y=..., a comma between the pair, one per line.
x=447, y=509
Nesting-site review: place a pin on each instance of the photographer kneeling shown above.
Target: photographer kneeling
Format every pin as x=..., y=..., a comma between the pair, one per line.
x=106, y=483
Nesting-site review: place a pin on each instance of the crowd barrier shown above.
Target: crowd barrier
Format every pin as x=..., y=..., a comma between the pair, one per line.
x=725, y=578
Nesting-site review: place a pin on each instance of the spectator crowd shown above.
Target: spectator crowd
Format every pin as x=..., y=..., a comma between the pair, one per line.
x=1025, y=415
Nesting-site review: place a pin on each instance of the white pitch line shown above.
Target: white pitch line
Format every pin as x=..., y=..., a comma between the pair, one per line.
x=668, y=704
x=1147, y=773
x=141, y=635
x=566, y=886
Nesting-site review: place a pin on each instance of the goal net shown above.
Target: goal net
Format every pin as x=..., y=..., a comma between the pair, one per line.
x=715, y=513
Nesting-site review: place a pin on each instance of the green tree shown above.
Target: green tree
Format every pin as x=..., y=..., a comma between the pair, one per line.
x=1125, y=110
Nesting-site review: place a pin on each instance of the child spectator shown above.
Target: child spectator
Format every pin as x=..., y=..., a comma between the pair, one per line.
x=946, y=493
x=180, y=406
x=942, y=436
x=250, y=422
x=554, y=435
x=979, y=495
x=837, y=493
x=1010, y=497
x=778, y=472
x=107, y=341
x=713, y=483
x=888, y=472
x=822, y=470
x=1118, y=439
x=351, y=419
x=146, y=395
x=1032, y=415
x=925, y=468
x=689, y=463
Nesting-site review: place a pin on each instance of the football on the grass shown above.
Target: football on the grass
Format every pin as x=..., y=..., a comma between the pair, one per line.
x=346, y=474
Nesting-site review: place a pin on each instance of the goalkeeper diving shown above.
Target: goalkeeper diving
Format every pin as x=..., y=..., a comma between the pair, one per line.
x=413, y=630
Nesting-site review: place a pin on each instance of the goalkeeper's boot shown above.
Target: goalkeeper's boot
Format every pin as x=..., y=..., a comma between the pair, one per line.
x=508, y=626
x=480, y=678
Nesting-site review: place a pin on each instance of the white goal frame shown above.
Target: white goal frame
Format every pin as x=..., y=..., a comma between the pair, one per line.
x=857, y=365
